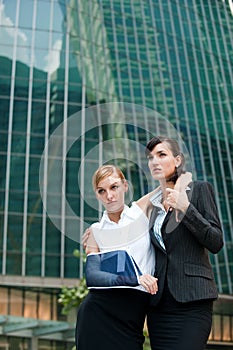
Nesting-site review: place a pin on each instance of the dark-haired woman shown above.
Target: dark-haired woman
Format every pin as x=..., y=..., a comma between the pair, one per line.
x=184, y=228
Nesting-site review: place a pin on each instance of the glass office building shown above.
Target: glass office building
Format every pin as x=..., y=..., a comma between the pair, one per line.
x=71, y=60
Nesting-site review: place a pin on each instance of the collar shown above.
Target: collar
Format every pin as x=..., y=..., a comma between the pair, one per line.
x=156, y=199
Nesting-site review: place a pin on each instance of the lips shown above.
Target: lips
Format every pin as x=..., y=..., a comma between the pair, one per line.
x=113, y=204
x=155, y=170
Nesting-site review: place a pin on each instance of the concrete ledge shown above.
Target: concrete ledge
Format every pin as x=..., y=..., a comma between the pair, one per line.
x=42, y=282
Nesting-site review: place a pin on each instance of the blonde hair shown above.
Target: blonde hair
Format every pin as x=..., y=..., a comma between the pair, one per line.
x=105, y=171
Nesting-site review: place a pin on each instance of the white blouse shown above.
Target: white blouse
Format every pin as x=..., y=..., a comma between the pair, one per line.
x=131, y=233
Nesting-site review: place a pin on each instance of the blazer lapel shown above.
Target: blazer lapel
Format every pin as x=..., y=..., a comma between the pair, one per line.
x=169, y=223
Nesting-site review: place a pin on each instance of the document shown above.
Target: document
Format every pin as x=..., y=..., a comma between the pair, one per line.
x=119, y=237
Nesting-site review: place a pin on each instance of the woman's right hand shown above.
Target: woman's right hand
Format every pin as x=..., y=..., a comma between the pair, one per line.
x=149, y=283
x=177, y=198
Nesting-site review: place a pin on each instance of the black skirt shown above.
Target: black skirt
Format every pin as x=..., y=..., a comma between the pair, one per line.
x=179, y=326
x=112, y=319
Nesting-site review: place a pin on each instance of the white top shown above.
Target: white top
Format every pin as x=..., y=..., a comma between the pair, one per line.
x=156, y=201
x=131, y=234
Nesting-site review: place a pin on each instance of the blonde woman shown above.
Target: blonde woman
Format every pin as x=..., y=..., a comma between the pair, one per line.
x=113, y=318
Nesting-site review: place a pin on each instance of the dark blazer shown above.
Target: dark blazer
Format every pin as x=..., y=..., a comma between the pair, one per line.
x=185, y=262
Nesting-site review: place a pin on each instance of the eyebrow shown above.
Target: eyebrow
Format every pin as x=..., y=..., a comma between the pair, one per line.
x=158, y=152
x=114, y=183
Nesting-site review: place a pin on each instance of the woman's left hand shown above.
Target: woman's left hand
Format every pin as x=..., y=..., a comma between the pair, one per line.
x=149, y=283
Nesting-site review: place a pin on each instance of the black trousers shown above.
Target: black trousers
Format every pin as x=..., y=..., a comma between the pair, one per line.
x=112, y=319
x=179, y=326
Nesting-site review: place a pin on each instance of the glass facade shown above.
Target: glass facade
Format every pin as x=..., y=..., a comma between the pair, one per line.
x=60, y=57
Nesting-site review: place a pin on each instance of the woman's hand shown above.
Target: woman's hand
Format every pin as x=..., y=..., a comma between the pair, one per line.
x=85, y=237
x=89, y=242
x=183, y=181
x=177, y=199
x=149, y=283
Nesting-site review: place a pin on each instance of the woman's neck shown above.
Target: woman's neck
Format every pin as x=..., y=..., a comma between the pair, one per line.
x=166, y=184
x=115, y=216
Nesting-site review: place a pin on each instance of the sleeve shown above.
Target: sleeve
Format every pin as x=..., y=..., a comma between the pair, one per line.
x=203, y=221
x=111, y=269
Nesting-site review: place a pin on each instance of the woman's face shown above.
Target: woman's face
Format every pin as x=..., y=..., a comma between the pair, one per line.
x=161, y=162
x=111, y=193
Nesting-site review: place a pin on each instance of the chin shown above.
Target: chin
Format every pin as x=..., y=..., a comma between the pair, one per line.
x=115, y=209
x=158, y=176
